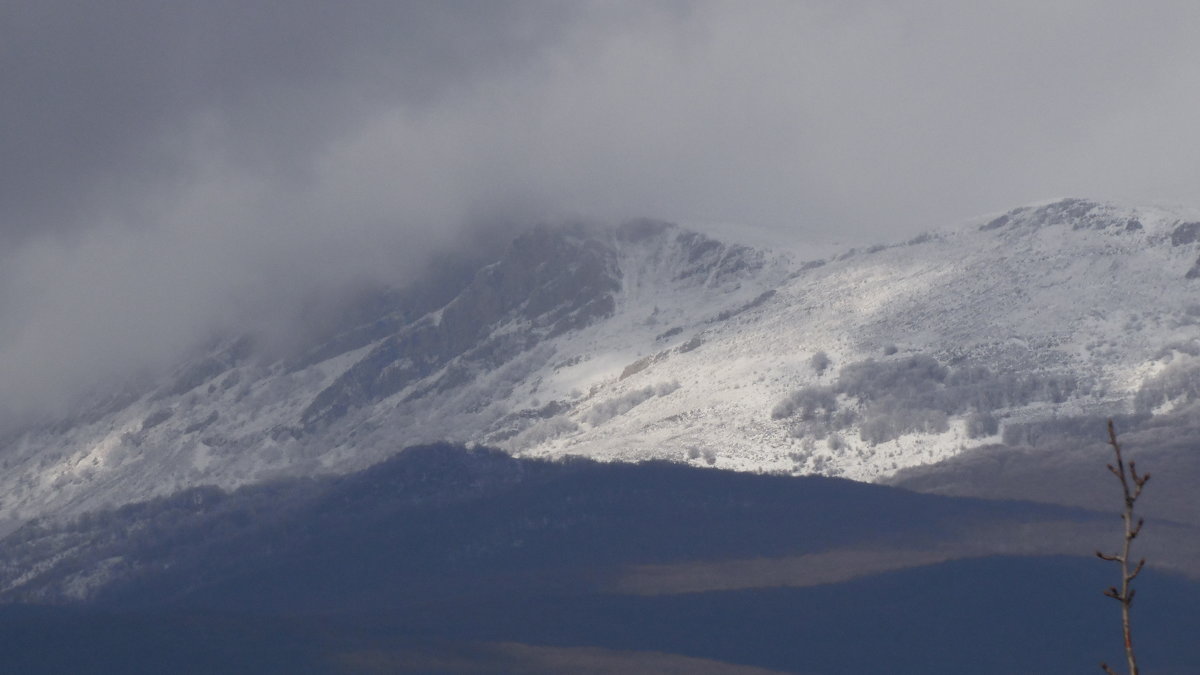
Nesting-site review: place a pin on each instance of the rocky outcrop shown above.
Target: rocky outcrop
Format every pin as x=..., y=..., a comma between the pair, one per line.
x=549, y=281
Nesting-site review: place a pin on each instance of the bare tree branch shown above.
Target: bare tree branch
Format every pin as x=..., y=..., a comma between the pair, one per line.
x=1125, y=594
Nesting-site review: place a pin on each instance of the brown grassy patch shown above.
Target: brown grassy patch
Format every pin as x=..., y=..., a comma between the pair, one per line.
x=1173, y=548
x=523, y=659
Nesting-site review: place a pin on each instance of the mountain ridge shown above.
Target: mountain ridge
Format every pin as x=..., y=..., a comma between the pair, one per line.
x=647, y=340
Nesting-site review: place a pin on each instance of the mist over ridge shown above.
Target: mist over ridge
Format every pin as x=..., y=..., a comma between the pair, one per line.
x=648, y=340
x=171, y=174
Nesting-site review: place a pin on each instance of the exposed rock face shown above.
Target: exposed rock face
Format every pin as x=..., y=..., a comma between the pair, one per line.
x=1185, y=233
x=548, y=282
x=1081, y=214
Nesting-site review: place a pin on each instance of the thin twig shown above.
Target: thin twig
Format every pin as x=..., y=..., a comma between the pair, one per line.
x=1131, y=488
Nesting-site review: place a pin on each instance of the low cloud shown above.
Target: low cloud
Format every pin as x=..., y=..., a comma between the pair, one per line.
x=169, y=172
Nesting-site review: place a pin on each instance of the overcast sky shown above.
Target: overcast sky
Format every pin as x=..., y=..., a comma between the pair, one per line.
x=168, y=169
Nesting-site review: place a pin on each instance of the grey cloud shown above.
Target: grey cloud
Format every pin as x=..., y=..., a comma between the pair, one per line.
x=169, y=170
x=162, y=171
x=96, y=95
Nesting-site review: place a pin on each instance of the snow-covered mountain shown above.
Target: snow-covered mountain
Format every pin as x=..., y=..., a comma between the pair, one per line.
x=648, y=340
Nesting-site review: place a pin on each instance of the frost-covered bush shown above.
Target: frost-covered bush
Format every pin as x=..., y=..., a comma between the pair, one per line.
x=885, y=423
x=543, y=431
x=981, y=424
x=907, y=377
x=1176, y=381
x=664, y=388
x=809, y=403
x=893, y=397
x=606, y=410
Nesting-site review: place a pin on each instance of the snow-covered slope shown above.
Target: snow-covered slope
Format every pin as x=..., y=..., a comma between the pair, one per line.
x=648, y=340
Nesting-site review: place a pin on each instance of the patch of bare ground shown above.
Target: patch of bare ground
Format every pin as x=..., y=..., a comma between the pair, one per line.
x=524, y=659
x=1172, y=548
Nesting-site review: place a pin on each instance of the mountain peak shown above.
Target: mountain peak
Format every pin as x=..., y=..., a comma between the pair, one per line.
x=1085, y=214
x=649, y=340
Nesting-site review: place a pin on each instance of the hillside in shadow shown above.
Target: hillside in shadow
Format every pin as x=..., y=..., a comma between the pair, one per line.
x=446, y=559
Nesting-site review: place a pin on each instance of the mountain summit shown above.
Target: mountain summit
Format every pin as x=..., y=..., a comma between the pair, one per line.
x=648, y=340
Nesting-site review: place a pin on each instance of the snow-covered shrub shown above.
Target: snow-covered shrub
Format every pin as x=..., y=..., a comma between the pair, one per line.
x=809, y=403
x=707, y=454
x=981, y=424
x=664, y=388
x=542, y=431
x=1177, y=381
x=606, y=410
x=820, y=362
x=890, y=398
